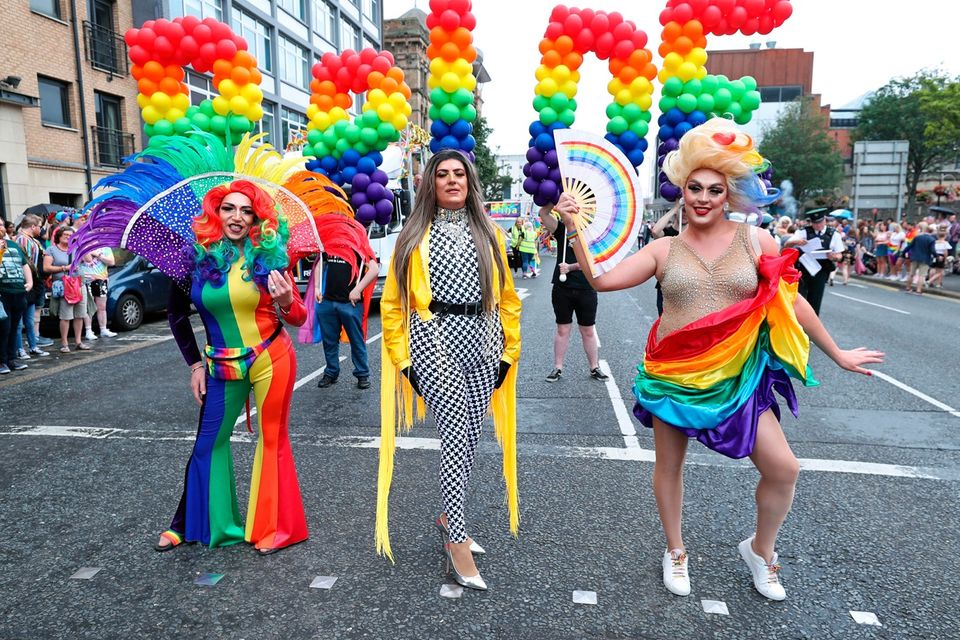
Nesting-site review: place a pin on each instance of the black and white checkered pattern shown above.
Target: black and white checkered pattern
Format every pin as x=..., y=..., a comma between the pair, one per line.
x=456, y=359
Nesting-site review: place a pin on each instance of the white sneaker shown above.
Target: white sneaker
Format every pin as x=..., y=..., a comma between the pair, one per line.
x=766, y=576
x=676, y=578
x=89, y=335
x=22, y=355
x=106, y=333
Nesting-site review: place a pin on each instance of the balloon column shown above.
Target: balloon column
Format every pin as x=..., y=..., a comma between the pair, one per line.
x=690, y=95
x=159, y=51
x=571, y=34
x=451, y=80
x=349, y=152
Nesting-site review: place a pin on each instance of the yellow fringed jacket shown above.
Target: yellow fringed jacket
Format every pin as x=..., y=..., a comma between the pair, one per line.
x=398, y=406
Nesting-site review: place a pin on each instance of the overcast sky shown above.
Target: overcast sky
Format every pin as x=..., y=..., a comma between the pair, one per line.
x=858, y=46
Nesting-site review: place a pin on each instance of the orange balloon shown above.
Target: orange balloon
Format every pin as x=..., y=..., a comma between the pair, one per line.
x=396, y=73
x=616, y=66
x=628, y=74
x=147, y=86
x=154, y=71
x=649, y=71
x=136, y=71
x=256, y=77
x=389, y=85
x=314, y=86
x=217, y=79
x=693, y=29
x=222, y=68
x=174, y=71
x=564, y=45
x=552, y=58
x=683, y=45
x=469, y=54
x=639, y=58
x=325, y=102
x=461, y=37
x=343, y=101
x=433, y=51
x=243, y=59
x=327, y=88
x=240, y=75
x=547, y=45
x=405, y=90
x=439, y=36
x=449, y=52
x=169, y=86
x=671, y=31
x=700, y=42
x=315, y=99
x=375, y=79
x=573, y=60
x=664, y=49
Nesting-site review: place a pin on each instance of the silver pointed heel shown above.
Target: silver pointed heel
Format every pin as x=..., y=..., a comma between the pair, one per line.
x=471, y=582
x=475, y=548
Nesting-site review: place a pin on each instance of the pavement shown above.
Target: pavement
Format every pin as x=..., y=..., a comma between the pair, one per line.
x=950, y=288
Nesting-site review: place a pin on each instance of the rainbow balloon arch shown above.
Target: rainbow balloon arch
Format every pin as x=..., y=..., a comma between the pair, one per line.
x=348, y=151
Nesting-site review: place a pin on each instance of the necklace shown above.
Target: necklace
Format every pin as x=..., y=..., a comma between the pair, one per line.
x=452, y=224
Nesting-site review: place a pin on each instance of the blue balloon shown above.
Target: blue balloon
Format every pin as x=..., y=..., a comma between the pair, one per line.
x=439, y=129
x=314, y=165
x=536, y=128
x=662, y=119
x=468, y=143
x=696, y=118
x=629, y=140
x=556, y=125
x=612, y=138
x=435, y=145
x=449, y=142
x=545, y=142
x=348, y=173
x=642, y=144
x=350, y=158
x=329, y=163
x=366, y=165
x=681, y=129
x=675, y=116
x=666, y=132
x=461, y=129
x=335, y=177
x=635, y=157
x=377, y=157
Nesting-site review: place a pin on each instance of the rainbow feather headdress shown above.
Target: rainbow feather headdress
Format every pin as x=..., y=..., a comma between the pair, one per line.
x=714, y=377
x=149, y=207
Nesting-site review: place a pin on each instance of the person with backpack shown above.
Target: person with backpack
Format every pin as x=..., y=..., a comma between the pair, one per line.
x=15, y=282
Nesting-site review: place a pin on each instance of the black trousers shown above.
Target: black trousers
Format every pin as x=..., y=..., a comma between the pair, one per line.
x=812, y=287
x=14, y=304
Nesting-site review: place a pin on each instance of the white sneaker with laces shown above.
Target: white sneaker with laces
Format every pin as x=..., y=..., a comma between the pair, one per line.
x=89, y=335
x=22, y=355
x=106, y=333
x=676, y=577
x=766, y=576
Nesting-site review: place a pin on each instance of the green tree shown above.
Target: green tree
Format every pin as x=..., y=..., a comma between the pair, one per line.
x=800, y=149
x=921, y=109
x=492, y=181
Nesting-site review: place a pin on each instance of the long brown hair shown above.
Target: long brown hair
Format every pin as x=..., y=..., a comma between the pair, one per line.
x=483, y=229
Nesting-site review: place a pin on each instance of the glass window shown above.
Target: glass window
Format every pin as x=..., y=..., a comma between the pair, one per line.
x=200, y=88
x=265, y=124
x=293, y=64
x=293, y=7
x=54, y=103
x=349, y=36
x=291, y=122
x=258, y=36
x=371, y=9
x=47, y=7
x=325, y=21
x=203, y=9
x=788, y=94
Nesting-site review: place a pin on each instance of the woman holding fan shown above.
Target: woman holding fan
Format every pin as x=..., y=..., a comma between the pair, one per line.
x=733, y=330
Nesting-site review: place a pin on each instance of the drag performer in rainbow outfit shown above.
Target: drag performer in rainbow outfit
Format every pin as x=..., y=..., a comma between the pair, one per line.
x=227, y=228
x=733, y=332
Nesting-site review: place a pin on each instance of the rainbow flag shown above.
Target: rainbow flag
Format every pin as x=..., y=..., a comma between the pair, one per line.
x=713, y=378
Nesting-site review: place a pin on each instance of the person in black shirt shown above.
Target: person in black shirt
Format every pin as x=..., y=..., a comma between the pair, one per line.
x=571, y=294
x=341, y=288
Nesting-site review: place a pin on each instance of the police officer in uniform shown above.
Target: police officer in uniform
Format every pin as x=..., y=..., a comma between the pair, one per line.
x=812, y=286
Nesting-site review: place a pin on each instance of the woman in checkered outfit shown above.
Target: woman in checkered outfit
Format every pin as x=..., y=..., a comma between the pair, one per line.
x=451, y=336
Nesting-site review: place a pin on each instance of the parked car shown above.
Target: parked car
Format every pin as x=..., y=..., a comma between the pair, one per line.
x=136, y=288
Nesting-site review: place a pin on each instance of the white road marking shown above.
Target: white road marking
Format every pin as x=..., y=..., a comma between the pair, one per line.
x=872, y=304
x=522, y=293
x=715, y=606
x=143, y=338
x=865, y=617
x=632, y=454
x=858, y=286
x=627, y=429
x=917, y=393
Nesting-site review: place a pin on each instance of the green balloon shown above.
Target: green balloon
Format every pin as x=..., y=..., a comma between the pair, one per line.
x=206, y=108
x=352, y=134
x=667, y=103
x=743, y=118
x=709, y=84
x=694, y=87
x=640, y=127
x=567, y=117
x=737, y=89
x=307, y=150
x=468, y=113
x=342, y=146
x=218, y=124
x=617, y=125
x=201, y=121
x=321, y=150
x=383, y=144
x=362, y=148
x=314, y=136
x=439, y=97
x=559, y=101
x=370, y=118
x=240, y=124
x=449, y=113
x=548, y=116
x=631, y=112
x=673, y=87
x=462, y=97
x=330, y=137
x=192, y=109
x=572, y=104
x=646, y=116
x=722, y=99
x=434, y=112
x=387, y=132
x=735, y=110
x=750, y=101
x=369, y=136
x=540, y=102
x=723, y=81
x=749, y=82
x=148, y=129
x=182, y=125
x=613, y=110
x=705, y=102
x=341, y=128
x=687, y=102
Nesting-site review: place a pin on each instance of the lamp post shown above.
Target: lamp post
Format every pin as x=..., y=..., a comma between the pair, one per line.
x=939, y=189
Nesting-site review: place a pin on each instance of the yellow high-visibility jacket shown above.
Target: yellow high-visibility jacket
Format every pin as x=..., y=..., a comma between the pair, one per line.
x=398, y=406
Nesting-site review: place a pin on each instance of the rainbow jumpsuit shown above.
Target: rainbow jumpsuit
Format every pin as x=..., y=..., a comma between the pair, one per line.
x=236, y=315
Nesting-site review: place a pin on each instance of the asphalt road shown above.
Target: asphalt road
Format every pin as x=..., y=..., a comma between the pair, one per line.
x=92, y=448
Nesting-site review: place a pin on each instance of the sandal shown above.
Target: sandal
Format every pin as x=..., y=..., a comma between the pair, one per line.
x=173, y=537
x=83, y=347
x=64, y=349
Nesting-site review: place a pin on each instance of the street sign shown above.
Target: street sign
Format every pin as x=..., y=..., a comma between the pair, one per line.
x=879, y=175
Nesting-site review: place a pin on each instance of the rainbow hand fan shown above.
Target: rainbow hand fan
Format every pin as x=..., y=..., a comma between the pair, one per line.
x=607, y=189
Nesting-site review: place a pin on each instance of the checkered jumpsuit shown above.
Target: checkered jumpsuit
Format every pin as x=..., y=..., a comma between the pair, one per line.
x=456, y=359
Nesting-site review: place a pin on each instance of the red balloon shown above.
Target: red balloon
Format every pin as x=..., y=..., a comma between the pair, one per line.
x=572, y=25
x=623, y=49
x=587, y=16
x=188, y=48
x=163, y=48
x=202, y=34
x=468, y=21
x=433, y=20
x=737, y=17
x=622, y=31
x=725, y=6
x=388, y=56
x=189, y=23
x=363, y=71
x=146, y=37
x=321, y=73
x=666, y=16
x=208, y=53
x=554, y=31
x=367, y=55
x=380, y=64
x=781, y=11
x=604, y=45
x=175, y=32
x=221, y=31
x=439, y=6
x=682, y=13
x=226, y=49
x=148, y=24
x=359, y=84
x=766, y=24
x=352, y=63
x=460, y=6
x=139, y=55
x=559, y=13
x=754, y=7
x=750, y=26
x=344, y=80
x=130, y=36
x=615, y=18
x=698, y=6
x=710, y=17
x=721, y=27
x=346, y=53
x=639, y=39
x=449, y=20
x=161, y=27
x=583, y=41
x=241, y=43
x=600, y=24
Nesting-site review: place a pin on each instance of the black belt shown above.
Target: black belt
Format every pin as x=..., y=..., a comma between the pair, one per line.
x=460, y=309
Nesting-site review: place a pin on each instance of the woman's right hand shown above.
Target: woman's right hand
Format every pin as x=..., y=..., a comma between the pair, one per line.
x=198, y=383
x=567, y=208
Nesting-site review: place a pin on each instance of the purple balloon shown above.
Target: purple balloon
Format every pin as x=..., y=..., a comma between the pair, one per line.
x=671, y=144
x=384, y=208
x=472, y=157
x=540, y=201
x=550, y=157
x=669, y=191
x=539, y=170
x=530, y=186
x=548, y=189
x=534, y=155
x=360, y=182
x=526, y=170
x=555, y=176
x=380, y=176
x=359, y=198
x=366, y=214
x=375, y=192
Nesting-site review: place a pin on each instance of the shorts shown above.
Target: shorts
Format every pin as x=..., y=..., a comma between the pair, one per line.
x=939, y=261
x=882, y=250
x=568, y=301
x=98, y=288
x=61, y=309
x=920, y=268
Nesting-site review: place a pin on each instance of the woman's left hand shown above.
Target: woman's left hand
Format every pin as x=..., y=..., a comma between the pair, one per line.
x=852, y=359
x=504, y=367
x=281, y=288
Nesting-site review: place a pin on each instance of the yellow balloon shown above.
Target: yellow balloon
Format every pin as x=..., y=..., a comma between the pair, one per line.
x=687, y=71
x=312, y=111
x=407, y=109
x=181, y=101
x=142, y=100
x=432, y=81
x=614, y=86
x=449, y=82
x=575, y=76
x=461, y=67
x=337, y=114
x=399, y=122
x=623, y=97
x=151, y=115
x=228, y=88
x=173, y=115
x=321, y=121
x=645, y=101
x=542, y=72
x=255, y=113
x=672, y=61
x=569, y=88
x=221, y=105
x=697, y=56
x=547, y=87
x=397, y=99
x=701, y=73
x=367, y=106
x=385, y=112
x=640, y=86
x=561, y=73
x=470, y=83
x=239, y=105
x=160, y=101
x=439, y=66
x=377, y=96
x=252, y=93
x=663, y=75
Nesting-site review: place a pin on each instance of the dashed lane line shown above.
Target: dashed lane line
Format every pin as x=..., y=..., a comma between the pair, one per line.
x=872, y=304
